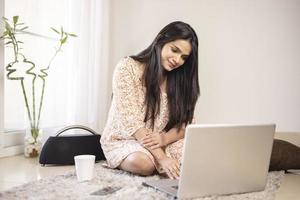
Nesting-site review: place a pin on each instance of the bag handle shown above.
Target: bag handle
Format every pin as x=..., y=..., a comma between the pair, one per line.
x=76, y=127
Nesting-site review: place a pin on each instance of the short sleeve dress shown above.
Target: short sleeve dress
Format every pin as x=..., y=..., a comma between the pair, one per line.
x=126, y=116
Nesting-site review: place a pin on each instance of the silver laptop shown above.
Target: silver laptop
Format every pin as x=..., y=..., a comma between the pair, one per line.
x=221, y=159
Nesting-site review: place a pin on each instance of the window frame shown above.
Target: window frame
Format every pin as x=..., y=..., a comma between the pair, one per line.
x=11, y=143
x=1, y=81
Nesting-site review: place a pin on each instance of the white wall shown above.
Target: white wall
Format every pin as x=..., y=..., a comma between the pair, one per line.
x=249, y=54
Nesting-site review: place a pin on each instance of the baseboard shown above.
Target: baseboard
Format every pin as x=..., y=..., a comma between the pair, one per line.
x=15, y=138
x=12, y=143
x=12, y=151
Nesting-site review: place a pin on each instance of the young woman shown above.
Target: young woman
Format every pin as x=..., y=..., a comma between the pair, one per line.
x=154, y=97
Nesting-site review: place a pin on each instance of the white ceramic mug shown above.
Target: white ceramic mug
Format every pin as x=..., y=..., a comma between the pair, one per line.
x=84, y=165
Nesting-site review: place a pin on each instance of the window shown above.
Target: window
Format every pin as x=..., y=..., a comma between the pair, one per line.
x=78, y=77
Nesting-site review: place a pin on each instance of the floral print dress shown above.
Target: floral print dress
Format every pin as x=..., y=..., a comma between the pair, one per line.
x=127, y=114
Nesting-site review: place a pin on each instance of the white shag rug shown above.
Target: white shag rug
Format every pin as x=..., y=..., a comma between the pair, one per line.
x=126, y=186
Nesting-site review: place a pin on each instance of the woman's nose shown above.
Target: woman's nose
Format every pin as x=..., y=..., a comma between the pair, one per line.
x=177, y=59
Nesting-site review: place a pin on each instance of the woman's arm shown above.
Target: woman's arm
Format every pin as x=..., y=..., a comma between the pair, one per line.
x=156, y=140
x=169, y=165
x=173, y=135
x=158, y=153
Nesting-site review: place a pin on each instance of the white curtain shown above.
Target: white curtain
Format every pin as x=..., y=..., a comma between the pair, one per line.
x=77, y=85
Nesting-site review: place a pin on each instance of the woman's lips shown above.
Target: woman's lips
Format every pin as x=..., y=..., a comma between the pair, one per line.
x=171, y=65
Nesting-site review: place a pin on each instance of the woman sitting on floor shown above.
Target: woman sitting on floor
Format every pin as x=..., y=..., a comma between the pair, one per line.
x=154, y=98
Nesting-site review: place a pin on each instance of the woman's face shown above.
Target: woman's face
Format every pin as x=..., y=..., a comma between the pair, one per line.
x=174, y=54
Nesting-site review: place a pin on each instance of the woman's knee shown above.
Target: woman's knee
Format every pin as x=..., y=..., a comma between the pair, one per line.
x=140, y=163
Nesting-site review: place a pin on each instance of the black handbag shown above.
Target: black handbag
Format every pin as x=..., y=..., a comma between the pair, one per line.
x=61, y=149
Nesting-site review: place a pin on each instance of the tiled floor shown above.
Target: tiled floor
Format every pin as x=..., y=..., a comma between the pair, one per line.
x=18, y=170
x=290, y=188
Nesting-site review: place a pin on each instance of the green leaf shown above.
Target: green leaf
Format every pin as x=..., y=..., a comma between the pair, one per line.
x=8, y=42
x=8, y=27
x=22, y=29
x=15, y=19
x=4, y=18
x=4, y=34
x=62, y=31
x=56, y=31
x=62, y=41
x=72, y=35
x=3, y=37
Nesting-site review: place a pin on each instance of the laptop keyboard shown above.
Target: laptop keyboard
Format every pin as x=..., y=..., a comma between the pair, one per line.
x=175, y=187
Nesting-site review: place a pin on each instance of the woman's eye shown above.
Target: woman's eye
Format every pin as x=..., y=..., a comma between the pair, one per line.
x=174, y=50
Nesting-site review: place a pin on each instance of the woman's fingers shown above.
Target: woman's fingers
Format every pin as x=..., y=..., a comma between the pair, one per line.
x=173, y=173
x=176, y=172
x=170, y=174
x=178, y=169
x=171, y=167
x=146, y=139
x=149, y=144
x=151, y=141
x=155, y=146
x=177, y=166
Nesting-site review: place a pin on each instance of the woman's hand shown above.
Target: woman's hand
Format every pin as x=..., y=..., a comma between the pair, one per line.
x=171, y=167
x=154, y=141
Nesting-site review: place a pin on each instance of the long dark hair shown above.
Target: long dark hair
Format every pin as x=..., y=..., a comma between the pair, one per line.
x=182, y=83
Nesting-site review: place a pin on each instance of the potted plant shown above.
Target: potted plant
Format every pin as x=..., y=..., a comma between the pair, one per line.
x=33, y=100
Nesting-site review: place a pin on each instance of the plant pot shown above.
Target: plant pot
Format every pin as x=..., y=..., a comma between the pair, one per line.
x=32, y=147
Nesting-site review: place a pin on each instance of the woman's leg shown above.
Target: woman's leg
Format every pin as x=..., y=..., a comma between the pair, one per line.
x=138, y=163
x=284, y=156
x=175, y=150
